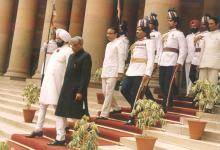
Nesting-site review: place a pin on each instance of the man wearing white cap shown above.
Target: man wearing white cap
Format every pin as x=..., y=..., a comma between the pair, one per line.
x=53, y=79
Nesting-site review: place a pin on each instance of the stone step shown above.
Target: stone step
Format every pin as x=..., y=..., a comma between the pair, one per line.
x=91, y=98
x=19, y=99
x=131, y=143
x=6, y=130
x=13, y=83
x=217, y=109
x=179, y=103
x=183, y=141
x=10, y=91
x=12, y=107
x=209, y=135
x=213, y=125
x=115, y=147
x=208, y=116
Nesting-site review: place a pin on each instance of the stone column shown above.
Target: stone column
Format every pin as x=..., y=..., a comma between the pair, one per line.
x=130, y=11
x=6, y=11
x=63, y=8
x=211, y=7
x=141, y=7
x=20, y=58
x=77, y=17
x=190, y=10
x=98, y=18
x=161, y=7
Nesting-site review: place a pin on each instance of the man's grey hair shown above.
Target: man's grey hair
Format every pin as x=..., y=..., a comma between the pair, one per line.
x=77, y=39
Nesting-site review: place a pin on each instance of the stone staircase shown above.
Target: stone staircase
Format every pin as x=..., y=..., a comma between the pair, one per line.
x=114, y=134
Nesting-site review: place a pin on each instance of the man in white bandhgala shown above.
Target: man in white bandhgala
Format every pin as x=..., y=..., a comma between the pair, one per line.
x=209, y=66
x=53, y=79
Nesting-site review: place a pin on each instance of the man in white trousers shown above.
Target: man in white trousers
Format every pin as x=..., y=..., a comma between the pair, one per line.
x=53, y=79
x=112, y=70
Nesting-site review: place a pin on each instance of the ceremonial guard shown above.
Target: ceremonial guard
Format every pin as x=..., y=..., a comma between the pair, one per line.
x=53, y=79
x=198, y=41
x=123, y=38
x=49, y=48
x=191, y=51
x=141, y=64
x=155, y=35
x=171, y=58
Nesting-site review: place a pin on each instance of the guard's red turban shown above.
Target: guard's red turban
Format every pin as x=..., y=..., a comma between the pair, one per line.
x=194, y=22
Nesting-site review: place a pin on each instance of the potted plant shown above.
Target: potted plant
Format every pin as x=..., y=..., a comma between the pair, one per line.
x=148, y=114
x=218, y=91
x=97, y=77
x=30, y=95
x=5, y=146
x=205, y=95
x=84, y=136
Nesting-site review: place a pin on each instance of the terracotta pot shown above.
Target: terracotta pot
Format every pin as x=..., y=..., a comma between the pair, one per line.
x=145, y=142
x=100, y=98
x=196, y=129
x=28, y=115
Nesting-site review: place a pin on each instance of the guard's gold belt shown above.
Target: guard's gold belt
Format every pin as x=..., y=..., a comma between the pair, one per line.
x=169, y=49
x=198, y=49
x=139, y=60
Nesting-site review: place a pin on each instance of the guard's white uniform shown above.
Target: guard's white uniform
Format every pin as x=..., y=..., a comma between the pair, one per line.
x=125, y=44
x=114, y=63
x=141, y=63
x=142, y=58
x=156, y=36
x=173, y=39
x=198, y=45
x=190, y=53
x=50, y=47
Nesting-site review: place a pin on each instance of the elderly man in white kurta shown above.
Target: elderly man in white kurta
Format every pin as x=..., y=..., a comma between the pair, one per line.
x=112, y=70
x=198, y=43
x=53, y=79
x=210, y=59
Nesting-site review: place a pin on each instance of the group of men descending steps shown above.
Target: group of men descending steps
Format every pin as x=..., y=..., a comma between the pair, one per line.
x=111, y=130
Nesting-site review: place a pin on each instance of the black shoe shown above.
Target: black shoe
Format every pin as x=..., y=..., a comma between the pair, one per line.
x=57, y=143
x=101, y=118
x=115, y=112
x=34, y=134
x=130, y=121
